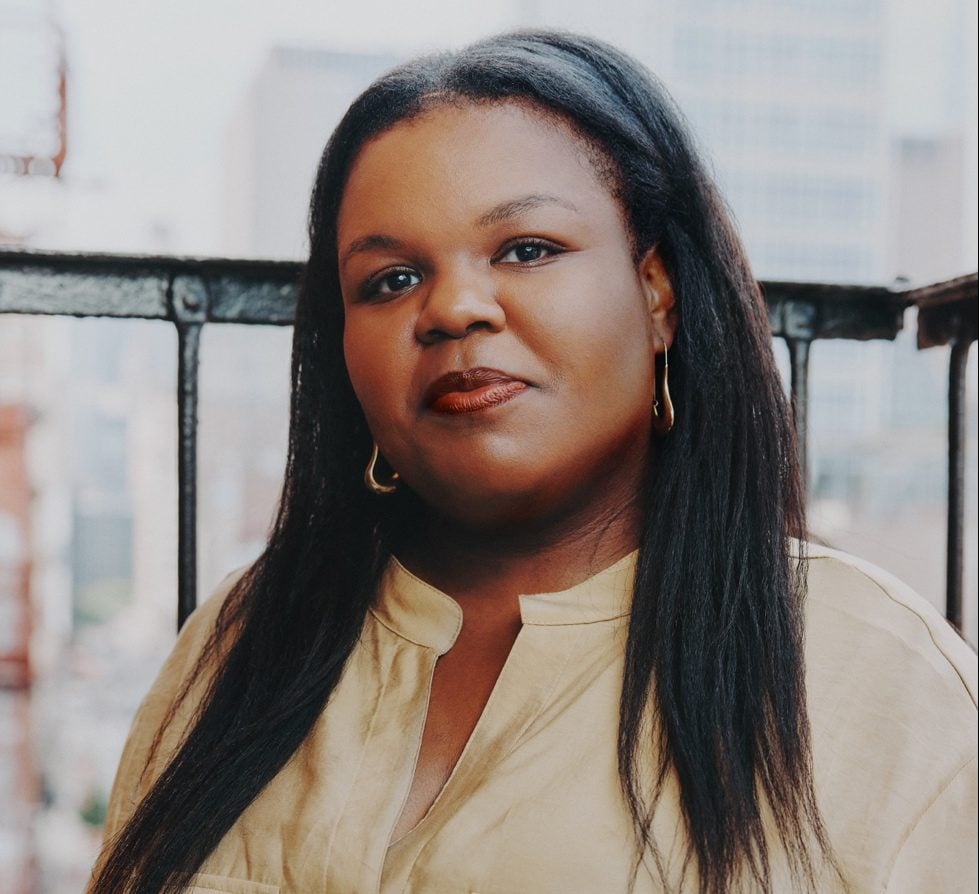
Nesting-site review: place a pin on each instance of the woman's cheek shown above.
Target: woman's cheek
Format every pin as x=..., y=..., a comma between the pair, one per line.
x=361, y=361
x=378, y=366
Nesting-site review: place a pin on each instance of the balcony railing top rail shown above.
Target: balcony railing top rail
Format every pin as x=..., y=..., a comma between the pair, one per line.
x=192, y=292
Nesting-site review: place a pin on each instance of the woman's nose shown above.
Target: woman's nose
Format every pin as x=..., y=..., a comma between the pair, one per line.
x=457, y=304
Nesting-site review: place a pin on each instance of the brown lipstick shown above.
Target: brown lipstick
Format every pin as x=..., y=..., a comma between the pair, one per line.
x=471, y=390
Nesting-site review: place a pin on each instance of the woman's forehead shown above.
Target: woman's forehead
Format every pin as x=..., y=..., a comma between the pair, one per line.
x=467, y=159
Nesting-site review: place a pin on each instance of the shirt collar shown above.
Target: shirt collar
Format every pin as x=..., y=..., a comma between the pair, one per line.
x=602, y=597
x=428, y=617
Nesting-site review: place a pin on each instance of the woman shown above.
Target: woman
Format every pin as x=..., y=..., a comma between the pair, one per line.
x=526, y=313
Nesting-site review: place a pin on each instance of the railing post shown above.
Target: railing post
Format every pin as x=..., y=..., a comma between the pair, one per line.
x=189, y=304
x=799, y=360
x=799, y=326
x=957, y=364
x=947, y=315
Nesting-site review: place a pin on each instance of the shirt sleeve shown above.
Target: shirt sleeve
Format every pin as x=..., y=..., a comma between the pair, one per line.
x=939, y=853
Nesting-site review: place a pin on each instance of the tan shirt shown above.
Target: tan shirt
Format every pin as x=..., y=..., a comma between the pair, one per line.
x=534, y=805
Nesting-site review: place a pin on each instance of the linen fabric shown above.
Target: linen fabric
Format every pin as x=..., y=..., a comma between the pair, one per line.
x=534, y=804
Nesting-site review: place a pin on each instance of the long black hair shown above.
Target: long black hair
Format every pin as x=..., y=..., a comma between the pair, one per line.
x=713, y=684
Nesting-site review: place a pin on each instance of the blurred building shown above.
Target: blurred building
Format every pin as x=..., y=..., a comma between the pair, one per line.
x=18, y=776
x=928, y=176
x=276, y=140
x=15, y=552
x=789, y=102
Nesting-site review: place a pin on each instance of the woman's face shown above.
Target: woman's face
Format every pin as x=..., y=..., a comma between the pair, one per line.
x=498, y=332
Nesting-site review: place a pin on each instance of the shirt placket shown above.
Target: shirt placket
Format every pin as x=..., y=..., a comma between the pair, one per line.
x=382, y=777
x=529, y=677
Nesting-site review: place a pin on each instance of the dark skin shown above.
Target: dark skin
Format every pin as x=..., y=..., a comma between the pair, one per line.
x=484, y=237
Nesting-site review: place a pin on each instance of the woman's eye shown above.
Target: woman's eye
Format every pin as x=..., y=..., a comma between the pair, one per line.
x=392, y=282
x=527, y=253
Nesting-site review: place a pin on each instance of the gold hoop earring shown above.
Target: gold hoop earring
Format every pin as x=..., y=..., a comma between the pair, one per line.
x=375, y=486
x=663, y=415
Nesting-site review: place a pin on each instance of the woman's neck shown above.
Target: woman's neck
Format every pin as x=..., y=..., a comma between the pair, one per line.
x=482, y=566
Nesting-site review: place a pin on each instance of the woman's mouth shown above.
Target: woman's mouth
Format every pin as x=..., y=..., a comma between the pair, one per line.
x=472, y=390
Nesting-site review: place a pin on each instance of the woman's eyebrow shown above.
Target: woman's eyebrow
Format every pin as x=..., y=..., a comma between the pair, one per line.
x=513, y=207
x=371, y=243
x=498, y=213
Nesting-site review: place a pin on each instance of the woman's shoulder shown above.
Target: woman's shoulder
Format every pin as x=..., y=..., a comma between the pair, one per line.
x=894, y=631
x=195, y=635
x=891, y=689
x=882, y=662
x=157, y=727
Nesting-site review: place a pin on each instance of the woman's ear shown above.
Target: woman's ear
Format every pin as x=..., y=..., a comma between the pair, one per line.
x=658, y=290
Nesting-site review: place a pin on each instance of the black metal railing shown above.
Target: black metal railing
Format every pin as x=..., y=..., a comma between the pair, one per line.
x=191, y=293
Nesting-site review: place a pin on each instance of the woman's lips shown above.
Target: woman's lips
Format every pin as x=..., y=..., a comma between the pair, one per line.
x=478, y=398
x=472, y=390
